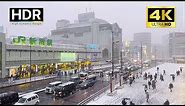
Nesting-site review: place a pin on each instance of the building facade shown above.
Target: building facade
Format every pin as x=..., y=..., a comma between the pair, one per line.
x=177, y=46
x=157, y=52
x=144, y=39
x=16, y=59
x=88, y=31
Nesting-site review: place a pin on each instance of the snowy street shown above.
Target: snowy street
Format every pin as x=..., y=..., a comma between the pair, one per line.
x=157, y=96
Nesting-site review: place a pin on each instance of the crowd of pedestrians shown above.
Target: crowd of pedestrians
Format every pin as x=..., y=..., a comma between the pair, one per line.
x=152, y=82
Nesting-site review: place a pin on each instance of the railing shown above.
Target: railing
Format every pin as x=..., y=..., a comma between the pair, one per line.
x=93, y=96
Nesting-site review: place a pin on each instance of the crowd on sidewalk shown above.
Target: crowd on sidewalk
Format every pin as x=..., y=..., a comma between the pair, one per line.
x=151, y=82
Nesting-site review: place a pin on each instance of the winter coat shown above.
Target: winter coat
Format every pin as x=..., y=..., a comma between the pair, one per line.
x=147, y=95
x=149, y=83
x=166, y=102
x=170, y=85
x=124, y=102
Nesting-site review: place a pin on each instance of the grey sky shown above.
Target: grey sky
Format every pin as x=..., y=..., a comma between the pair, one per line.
x=130, y=16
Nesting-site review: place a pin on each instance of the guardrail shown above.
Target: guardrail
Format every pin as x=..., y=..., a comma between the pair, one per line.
x=26, y=93
x=93, y=96
x=23, y=81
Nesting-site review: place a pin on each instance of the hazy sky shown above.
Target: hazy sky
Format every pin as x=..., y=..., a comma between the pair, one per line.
x=130, y=16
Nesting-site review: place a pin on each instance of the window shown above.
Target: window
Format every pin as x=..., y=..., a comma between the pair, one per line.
x=22, y=100
x=29, y=99
x=65, y=36
x=78, y=34
x=33, y=98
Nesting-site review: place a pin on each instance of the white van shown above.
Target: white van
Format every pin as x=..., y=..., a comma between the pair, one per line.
x=51, y=86
x=29, y=99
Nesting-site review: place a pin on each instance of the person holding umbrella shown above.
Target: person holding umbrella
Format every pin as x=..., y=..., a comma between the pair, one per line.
x=173, y=77
x=170, y=87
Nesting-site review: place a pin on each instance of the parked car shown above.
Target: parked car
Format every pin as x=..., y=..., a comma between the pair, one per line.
x=86, y=84
x=29, y=99
x=91, y=77
x=9, y=98
x=65, y=89
x=76, y=80
x=51, y=86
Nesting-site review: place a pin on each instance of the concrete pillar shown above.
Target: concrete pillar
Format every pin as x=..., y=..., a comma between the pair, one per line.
x=3, y=72
x=36, y=70
x=56, y=66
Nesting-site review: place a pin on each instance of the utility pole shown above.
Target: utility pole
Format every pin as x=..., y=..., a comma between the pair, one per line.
x=112, y=74
x=78, y=64
x=141, y=57
x=121, y=69
x=30, y=63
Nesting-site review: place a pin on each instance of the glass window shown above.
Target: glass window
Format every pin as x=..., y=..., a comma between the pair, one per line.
x=33, y=98
x=29, y=99
x=22, y=100
x=51, y=85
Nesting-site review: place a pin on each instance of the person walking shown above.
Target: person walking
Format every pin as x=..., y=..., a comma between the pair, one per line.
x=149, y=84
x=167, y=102
x=164, y=72
x=137, y=76
x=130, y=81
x=158, y=70
x=147, y=96
x=155, y=76
x=133, y=78
x=154, y=84
x=170, y=87
x=178, y=72
x=124, y=102
x=145, y=76
x=181, y=69
x=173, y=78
x=145, y=87
x=151, y=77
x=161, y=77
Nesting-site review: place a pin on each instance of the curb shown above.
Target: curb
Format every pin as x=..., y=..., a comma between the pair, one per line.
x=26, y=82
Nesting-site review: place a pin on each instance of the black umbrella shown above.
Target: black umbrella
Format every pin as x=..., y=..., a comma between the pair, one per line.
x=172, y=74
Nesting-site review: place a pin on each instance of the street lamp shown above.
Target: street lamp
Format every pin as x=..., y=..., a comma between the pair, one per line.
x=112, y=74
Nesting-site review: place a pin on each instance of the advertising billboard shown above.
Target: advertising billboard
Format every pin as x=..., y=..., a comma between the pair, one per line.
x=68, y=57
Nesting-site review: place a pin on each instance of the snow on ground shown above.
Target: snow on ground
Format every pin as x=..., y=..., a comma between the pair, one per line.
x=157, y=96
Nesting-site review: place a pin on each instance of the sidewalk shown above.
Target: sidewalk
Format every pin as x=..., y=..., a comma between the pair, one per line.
x=22, y=81
x=157, y=96
x=38, y=78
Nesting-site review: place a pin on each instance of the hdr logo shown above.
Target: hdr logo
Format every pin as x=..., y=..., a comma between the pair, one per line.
x=26, y=14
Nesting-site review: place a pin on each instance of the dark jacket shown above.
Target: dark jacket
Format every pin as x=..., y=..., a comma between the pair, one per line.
x=170, y=85
x=166, y=102
x=124, y=102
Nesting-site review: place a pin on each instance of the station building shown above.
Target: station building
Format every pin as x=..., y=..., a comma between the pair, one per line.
x=16, y=58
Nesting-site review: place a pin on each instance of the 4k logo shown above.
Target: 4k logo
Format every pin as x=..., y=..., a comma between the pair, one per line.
x=160, y=17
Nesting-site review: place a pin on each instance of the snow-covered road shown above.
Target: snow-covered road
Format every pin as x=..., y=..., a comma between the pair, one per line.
x=157, y=96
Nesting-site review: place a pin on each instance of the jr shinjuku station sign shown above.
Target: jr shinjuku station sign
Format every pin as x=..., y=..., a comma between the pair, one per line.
x=32, y=41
